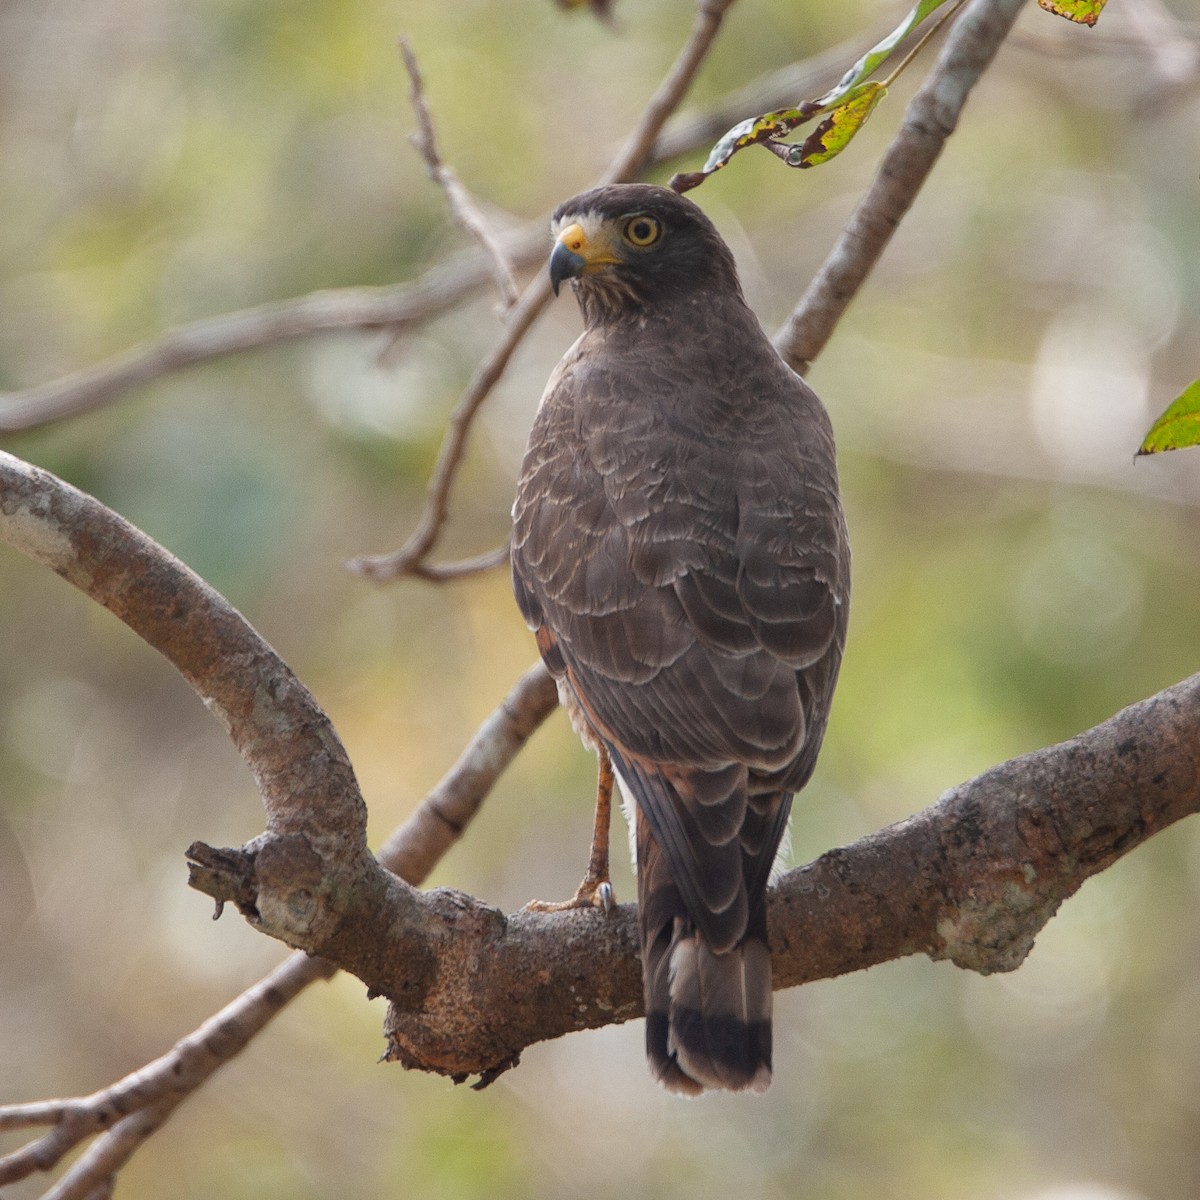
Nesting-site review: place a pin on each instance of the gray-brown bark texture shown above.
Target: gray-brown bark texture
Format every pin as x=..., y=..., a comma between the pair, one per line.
x=972, y=878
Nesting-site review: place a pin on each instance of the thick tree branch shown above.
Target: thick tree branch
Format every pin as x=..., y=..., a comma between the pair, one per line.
x=973, y=879
x=931, y=118
x=124, y=1114
x=316, y=818
x=309, y=880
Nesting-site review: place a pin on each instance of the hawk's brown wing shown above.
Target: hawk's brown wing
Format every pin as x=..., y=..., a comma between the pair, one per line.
x=679, y=549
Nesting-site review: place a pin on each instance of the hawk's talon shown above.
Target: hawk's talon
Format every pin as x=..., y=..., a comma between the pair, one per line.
x=591, y=893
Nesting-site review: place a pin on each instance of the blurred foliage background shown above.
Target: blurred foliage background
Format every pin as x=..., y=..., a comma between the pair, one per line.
x=1018, y=577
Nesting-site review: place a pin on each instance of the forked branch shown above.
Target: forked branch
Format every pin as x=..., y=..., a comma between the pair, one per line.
x=411, y=558
x=95, y=549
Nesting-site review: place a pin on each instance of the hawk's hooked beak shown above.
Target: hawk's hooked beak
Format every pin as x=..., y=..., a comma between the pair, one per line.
x=565, y=263
x=575, y=252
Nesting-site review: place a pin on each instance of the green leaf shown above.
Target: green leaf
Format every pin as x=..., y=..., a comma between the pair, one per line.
x=1179, y=426
x=1083, y=12
x=880, y=53
x=833, y=134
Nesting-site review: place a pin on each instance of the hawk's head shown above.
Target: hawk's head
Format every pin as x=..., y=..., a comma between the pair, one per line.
x=632, y=247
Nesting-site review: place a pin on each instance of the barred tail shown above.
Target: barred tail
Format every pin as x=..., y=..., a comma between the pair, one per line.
x=708, y=1014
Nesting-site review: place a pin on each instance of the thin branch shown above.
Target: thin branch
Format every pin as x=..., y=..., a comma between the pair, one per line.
x=394, y=307
x=156, y=1088
x=466, y=211
x=634, y=156
x=409, y=559
x=931, y=118
x=629, y=162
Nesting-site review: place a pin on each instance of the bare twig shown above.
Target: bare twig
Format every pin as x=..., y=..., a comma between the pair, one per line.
x=409, y=559
x=248, y=329
x=466, y=211
x=396, y=307
x=126, y=1113
x=629, y=162
x=930, y=119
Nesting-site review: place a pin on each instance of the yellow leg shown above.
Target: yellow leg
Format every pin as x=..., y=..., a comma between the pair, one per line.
x=596, y=889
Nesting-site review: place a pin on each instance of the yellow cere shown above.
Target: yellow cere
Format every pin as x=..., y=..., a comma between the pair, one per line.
x=592, y=241
x=574, y=239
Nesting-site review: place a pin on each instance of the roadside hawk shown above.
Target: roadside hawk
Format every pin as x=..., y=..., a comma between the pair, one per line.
x=679, y=550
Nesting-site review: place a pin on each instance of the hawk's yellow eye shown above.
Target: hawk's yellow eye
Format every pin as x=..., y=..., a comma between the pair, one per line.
x=643, y=231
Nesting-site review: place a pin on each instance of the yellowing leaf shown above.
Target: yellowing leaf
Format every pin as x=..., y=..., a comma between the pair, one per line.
x=756, y=129
x=833, y=134
x=1179, y=426
x=846, y=104
x=1084, y=12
